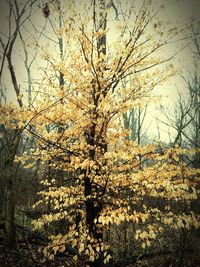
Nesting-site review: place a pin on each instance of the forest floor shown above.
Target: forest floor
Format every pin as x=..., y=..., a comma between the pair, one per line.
x=25, y=254
x=22, y=258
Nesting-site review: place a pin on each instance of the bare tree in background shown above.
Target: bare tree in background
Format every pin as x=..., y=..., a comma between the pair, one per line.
x=186, y=117
x=18, y=14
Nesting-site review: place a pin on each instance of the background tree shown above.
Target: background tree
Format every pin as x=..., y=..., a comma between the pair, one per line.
x=17, y=16
x=185, y=119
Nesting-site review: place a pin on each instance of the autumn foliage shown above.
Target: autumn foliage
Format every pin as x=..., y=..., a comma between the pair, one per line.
x=94, y=176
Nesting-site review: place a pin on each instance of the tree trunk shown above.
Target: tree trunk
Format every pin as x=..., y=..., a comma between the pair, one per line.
x=9, y=210
x=9, y=190
x=2, y=196
x=94, y=205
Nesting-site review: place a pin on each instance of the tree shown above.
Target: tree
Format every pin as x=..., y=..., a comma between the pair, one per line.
x=17, y=15
x=103, y=182
x=185, y=119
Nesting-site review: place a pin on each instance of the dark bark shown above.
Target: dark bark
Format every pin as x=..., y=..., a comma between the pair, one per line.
x=9, y=212
x=9, y=208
